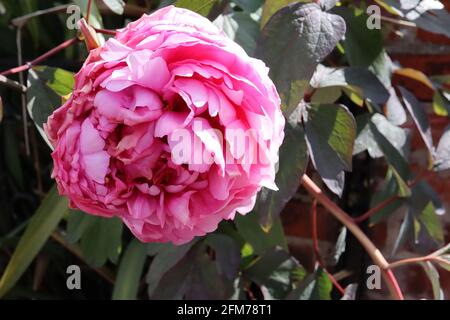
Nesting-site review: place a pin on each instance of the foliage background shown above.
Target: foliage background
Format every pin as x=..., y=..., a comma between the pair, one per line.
x=354, y=128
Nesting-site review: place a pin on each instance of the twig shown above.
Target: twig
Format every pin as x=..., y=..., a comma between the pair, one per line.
x=388, y=201
x=22, y=20
x=105, y=31
x=434, y=256
x=39, y=59
x=368, y=245
x=316, y=247
x=23, y=97
x=88, y=11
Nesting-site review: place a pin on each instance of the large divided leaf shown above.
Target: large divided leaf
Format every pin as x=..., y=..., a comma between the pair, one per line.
x=275, y=270
x=293, y=42
x=293, y=162
x=195, y=276
x=166, y=257
x=100, y=238
x=330, y=135
x=39, y=229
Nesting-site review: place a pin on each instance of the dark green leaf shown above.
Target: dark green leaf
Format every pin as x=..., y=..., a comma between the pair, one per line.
x=307, y=31
x=419, y=116
x=294, y=159
x=362, y=45
x=274, y=270
x=101, y=241
x=167, y=256
x=46, y=86
x=330, y=135
x=228, y=256
x=261, y=240
x=346, y=77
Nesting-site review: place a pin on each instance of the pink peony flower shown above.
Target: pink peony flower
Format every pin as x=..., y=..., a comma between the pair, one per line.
x=152, y=132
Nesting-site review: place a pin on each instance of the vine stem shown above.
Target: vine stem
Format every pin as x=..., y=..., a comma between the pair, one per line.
x=368, y=245
x=46, y=55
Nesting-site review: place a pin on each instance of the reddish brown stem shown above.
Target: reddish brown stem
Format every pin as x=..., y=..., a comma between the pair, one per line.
x=315, y=239
x=368, y=245
x=88, y=11
x=106, y=31
x=41, y=58
x=389, y=200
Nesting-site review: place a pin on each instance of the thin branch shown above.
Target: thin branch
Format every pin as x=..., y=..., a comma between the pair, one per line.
x=23, y=97
x=88, y=13
x=398, y=22
x=434, y=256
x=41, y=58
x=22, y=20
x=105, y=31
x=371, y=212
x=368, y=245
x=316, y=247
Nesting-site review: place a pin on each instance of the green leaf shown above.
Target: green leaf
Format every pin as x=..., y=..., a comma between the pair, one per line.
x=419, y=116
x=365, y=140
x=294, y=159
x=195, y=276
x=430, y=221
x=167, y=256
x=441, y=105
x=39, y=229
x=249, y=5
x=116, y=6
x=261, y=240
x=202, y=7
x=349, y=77
x=442, y=157
x=315, y=286
x=330, y=134
x=433, y=275
x=392, y=154
x=362, y=45
x=339, y=247
x=293, y=42
x=272, y=6
x=228, y=256
x=130, y=271
x=274, y=270
x=77, y=224
x=102, y=240
x=46, y=87
x=241, y=28
x=389, y=188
